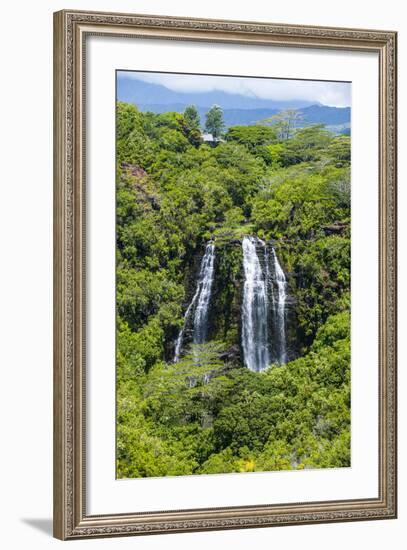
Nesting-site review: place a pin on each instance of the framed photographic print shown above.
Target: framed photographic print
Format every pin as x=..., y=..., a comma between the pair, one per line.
x=225, y=274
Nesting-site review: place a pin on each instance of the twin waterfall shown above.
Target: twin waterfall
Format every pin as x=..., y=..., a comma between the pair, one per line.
x=263, y=330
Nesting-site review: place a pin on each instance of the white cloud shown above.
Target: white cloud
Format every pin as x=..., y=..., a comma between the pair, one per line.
x=336, y=94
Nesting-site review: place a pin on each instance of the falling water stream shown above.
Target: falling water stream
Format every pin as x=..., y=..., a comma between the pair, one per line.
x=279, y=308
x=264, y=292
x=200, y=302
x=204, y=297
x=255, y=330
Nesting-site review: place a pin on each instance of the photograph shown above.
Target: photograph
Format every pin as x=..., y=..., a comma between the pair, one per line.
x=233, y=257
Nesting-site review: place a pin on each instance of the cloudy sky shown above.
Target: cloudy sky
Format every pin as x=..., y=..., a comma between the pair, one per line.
x=336, y=94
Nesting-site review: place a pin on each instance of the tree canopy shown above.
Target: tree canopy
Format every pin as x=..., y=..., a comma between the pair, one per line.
x=215, y=123
x=192, y=118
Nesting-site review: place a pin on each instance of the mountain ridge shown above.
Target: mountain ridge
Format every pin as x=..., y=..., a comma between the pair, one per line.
x=237, y=109
x=148, y=94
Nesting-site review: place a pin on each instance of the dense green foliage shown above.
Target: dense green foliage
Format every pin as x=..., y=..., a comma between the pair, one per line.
x=208, y=413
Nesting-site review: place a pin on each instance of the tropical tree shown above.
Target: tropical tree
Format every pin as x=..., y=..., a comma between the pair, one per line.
x=215, y=123
x=252, y=136
x=192, y=118
x=285, y=122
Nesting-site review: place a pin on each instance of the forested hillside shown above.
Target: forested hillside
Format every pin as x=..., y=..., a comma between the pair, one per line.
x=207, y=412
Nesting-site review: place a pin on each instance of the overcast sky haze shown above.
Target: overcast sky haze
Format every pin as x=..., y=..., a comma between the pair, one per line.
x=335, y=94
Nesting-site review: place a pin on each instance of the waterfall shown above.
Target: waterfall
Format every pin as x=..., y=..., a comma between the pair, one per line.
x=200, y=302
x=180, y=339
x=255, y=333
x=205, y=281
x=263, y=307
x=264, y=293
x=279, y=309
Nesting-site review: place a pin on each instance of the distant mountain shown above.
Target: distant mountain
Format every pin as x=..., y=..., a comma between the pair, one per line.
x=335, y=119
x=322, y=114
x=145, y=93
x=237, y=109
x=234, y=117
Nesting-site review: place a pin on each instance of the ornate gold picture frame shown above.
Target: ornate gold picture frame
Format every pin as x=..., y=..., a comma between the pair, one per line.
x=71, y=31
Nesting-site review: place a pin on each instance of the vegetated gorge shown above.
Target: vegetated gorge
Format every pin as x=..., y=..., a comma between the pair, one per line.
x=233, y=304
